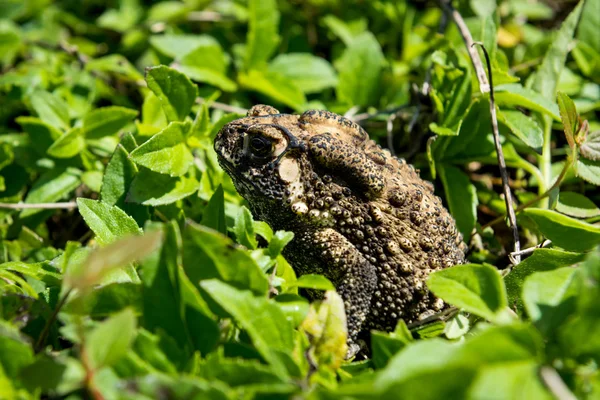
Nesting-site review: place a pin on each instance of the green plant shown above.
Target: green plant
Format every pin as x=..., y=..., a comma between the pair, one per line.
x=130, y=267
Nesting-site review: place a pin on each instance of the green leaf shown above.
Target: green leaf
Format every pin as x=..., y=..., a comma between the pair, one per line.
x=313, y=281
x=524, y=127
x=587, y=30
x=263, y=229
x=359, y=70
x=178, y=46
x=162, y=298
x=51, y=109
x=16, y=352
x=511, y=380
x=175, y=91
x=93, y=180
x=153, y=114
x=154, y=189
x=514, y=94
x=213, y=215
x=345, y=30
x=110, y=340
x=325, y=325
x=457, y=327
x=546, y=77
x=473, y=136
x=244, y=229
x=207, y=63
x=68, y=145
x=294, y=307
x=52, y=186
x=118, y=178
x=517, y=341
x=107, y=121
x=587, y=59
x=102, y=261
x=209, y=76
x=577, y=338
x=109, y=223
x=279, y=241
x=461, y=196
x=435, y=373
x=274, y=85
x=589, y=290
x=569, y=117
x=269, y=330
x=476, y=288
x=208, y=254
x=541, y=260
x=384, y=345
x=576, y=205
x=41, y=134
x=115, y=64
x=40, y=271
x=166, y=152
x=589, y=170
x=201, y=126
x=311, y=74
x=590, y=148
x=7, y=156
x=118, y=175
x=483, y=8
x=543, y=290
x=109, y=298
x=565, y=232
x=263, y=37
x=240, y=373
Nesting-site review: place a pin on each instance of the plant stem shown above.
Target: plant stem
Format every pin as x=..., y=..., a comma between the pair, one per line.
x=542, y=196
x=47, y=206
x=546, y=158
x=486, y=85
x=501, y=162
x=42, y=338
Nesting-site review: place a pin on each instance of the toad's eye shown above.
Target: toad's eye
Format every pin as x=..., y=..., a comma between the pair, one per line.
x=260, y=146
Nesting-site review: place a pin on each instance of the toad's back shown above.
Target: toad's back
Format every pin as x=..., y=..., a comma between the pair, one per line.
x=361, y=217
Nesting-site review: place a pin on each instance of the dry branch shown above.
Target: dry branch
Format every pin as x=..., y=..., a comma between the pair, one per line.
x=487, y=86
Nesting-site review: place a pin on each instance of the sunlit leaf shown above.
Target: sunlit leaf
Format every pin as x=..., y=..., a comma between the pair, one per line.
x=476, y=288
x=566, y=232
x=175, y=91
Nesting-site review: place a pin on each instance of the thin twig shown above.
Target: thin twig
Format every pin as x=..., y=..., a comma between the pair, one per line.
x=364, y=116
x=441, y=316
x=529, y=250
x=205, y=16
x=487, y=86
x=45, y=206
x=351, y=112
x=389, y=124
x=512, y=218
x=46, y=330
x=555, y=384
x=484, y=86
x=221, y=106
x=542, y=196
x=526, y=64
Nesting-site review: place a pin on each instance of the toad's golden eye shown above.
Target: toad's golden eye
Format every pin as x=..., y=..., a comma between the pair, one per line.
x=260, y=146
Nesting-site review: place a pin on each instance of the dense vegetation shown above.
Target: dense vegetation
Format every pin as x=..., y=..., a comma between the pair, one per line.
x=131, y=269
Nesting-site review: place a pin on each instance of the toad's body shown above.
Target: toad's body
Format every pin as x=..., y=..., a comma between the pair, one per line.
x=361, y=217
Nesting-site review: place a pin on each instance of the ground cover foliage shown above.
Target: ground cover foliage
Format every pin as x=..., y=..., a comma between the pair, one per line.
x=147, y=277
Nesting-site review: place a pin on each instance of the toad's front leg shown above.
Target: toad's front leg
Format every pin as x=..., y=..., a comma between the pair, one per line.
x=355, y=278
